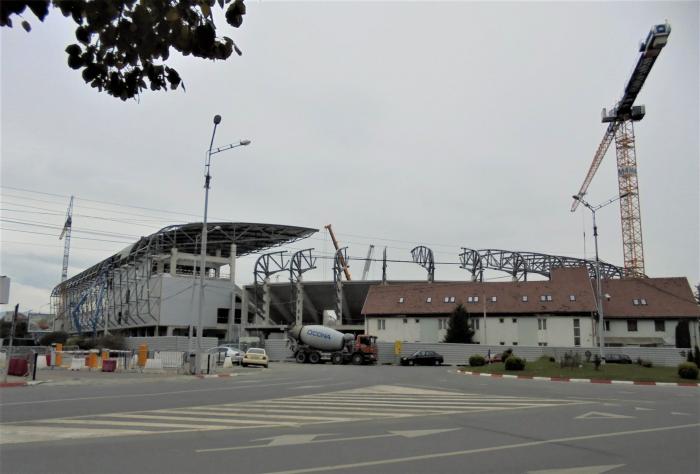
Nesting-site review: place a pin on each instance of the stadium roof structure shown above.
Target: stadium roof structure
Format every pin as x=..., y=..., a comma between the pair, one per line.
x=248, y=237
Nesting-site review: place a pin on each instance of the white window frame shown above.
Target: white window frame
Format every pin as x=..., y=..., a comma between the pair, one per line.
x=429, y=299
x=493, y=299
x=401, y=299
x=572, y=297
x=524, y=298
x=452, y=299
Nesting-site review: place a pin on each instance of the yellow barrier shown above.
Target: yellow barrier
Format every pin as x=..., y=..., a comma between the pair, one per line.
x=143, y=355
x=92, y=360
x=59, y=354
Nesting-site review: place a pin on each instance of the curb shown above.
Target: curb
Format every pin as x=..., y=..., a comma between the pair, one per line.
x=21, y=384
x=215, y=376
x=568, y=379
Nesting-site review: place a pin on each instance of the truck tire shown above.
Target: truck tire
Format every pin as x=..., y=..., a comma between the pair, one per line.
x=357, y=359
x=337, y=358
x=301, y=357
x=314, y=357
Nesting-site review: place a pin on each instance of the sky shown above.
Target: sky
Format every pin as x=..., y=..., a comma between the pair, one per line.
x=458, y=124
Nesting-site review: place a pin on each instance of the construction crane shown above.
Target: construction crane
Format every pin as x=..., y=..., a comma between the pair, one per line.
x=368, y=262
x=620, y=120
x=66, y=233
x=337, y=247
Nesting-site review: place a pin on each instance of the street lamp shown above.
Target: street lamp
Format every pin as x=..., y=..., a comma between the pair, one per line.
x=599, y=287
x=202, y=266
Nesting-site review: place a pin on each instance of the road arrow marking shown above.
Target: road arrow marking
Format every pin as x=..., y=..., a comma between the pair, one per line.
x=579, y=470
x=284, y=440
x=417, y=433
x=679, y=413
x=643, y=409
x=600, y=415
x=287, y=440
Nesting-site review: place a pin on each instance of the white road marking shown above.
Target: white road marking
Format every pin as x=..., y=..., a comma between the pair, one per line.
x=464, y=452
x=600, y=415
x=643, y=409
x=679, y=413
x=167, y=418
x=578, y=470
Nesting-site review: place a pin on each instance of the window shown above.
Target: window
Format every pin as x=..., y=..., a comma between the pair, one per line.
x=659, y=325
x=541, y=324
x=549, y=297
x=500, y=320
x=635, y=302
x=442, y=324
x=381, y=324
x=545, y=298
x=405, y=321
x=632, y=325
x=222, y=315
x=524, y=298
x=476, y=324
x=417, y=321
x=515, y=343
x=470, y=299
x=493, y=299
x=577, y=332
x=428, y=300
x=452, y=299
x=447, y=299
x=401, y=299
x=515, y=320
x=607, y=325
x=643, y=301
x=541, y=344
x=502, y=343
x=572, y=297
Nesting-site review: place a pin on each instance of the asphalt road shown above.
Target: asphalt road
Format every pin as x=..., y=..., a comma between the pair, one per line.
x=384, y=419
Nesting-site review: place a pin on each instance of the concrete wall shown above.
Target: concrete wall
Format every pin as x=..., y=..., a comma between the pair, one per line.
x=179, y=303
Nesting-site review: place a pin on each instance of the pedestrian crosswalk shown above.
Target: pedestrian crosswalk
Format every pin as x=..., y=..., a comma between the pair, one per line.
x=374, y=402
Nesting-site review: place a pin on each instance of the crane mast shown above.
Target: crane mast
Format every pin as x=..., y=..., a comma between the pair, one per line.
x=620, y=120
x=66, y=233
x=368, y=262
x=337, y=247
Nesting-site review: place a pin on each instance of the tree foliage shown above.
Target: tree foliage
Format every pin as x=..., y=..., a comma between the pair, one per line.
x=458, y=328
x=122, y=45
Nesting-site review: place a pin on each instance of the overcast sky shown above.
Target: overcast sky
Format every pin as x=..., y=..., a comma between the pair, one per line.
x=444, y=124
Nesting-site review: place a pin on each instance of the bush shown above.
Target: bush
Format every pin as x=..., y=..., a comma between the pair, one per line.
x=515, y=363
x=111, y=341
x=477, y=360
x=56, y=337
x=646, y=363
x=507, y=353
x=688, y=370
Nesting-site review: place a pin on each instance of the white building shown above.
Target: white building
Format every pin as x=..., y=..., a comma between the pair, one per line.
x=557, y=312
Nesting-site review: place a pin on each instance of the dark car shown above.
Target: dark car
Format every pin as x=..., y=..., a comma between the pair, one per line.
x=423, y=358
x=618, y=359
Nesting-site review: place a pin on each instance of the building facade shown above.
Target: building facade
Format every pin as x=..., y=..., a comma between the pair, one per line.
x=556, y=312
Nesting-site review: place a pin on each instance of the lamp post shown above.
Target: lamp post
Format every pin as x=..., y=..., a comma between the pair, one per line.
x=203, y=262
x=599, y=287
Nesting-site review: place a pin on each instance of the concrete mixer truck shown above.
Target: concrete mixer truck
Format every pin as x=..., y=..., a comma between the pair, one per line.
x=317, y=343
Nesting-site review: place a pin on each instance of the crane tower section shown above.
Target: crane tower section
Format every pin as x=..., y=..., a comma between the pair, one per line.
x=620, y=120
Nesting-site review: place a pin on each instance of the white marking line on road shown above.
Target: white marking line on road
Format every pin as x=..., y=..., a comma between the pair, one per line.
x=465, y=397
x=484, y=450
x=74, y=421
x=24, y=434
x=599, y=415
x=415, y=404
x=205, y=414
x=579, y=470
x=185, y=418
x=157, y=394
x=309, y=439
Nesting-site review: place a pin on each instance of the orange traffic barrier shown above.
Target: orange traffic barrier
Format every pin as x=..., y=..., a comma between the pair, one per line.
x=143, y=355
x=59, y=354
x=92, y=360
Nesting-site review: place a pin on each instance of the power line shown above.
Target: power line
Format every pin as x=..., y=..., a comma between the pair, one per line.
x=53, y=235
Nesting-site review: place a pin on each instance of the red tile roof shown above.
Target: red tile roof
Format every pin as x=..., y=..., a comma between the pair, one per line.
x=665, y=297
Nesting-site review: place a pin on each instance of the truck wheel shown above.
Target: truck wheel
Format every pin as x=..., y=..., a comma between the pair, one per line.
x=314, y=357
x=337, y=358
x=357, y=359
x=301, y=357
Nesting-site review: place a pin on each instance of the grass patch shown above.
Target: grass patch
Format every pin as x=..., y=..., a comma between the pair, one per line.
x=544, y=368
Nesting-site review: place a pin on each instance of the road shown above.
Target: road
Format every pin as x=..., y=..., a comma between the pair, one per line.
x=303, y=418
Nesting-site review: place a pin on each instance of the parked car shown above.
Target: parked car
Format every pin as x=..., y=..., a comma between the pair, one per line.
x=255, y=356
x=423, y=358
x=221, y=352
x=618, y=359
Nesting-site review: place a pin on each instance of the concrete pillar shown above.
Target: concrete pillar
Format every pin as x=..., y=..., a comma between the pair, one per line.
x=266, y=301
x=232, y=263
x=299, y=304
x=173, y=261
x=169, y=331
x=244, y=312
x=160, y=265
x=339, y=301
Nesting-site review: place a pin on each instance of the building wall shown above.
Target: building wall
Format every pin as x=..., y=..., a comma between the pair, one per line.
x=179, y=302
x=645, y=328
x=500, y=330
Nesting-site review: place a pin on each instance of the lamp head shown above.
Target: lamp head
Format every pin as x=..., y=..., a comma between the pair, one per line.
x=576, y=197
x=624, y=195
x=217, y=119
x=245, y=142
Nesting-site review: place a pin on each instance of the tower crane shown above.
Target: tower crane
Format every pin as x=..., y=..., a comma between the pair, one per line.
x=66, y=233
x=368, y=262
x=620, y=120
